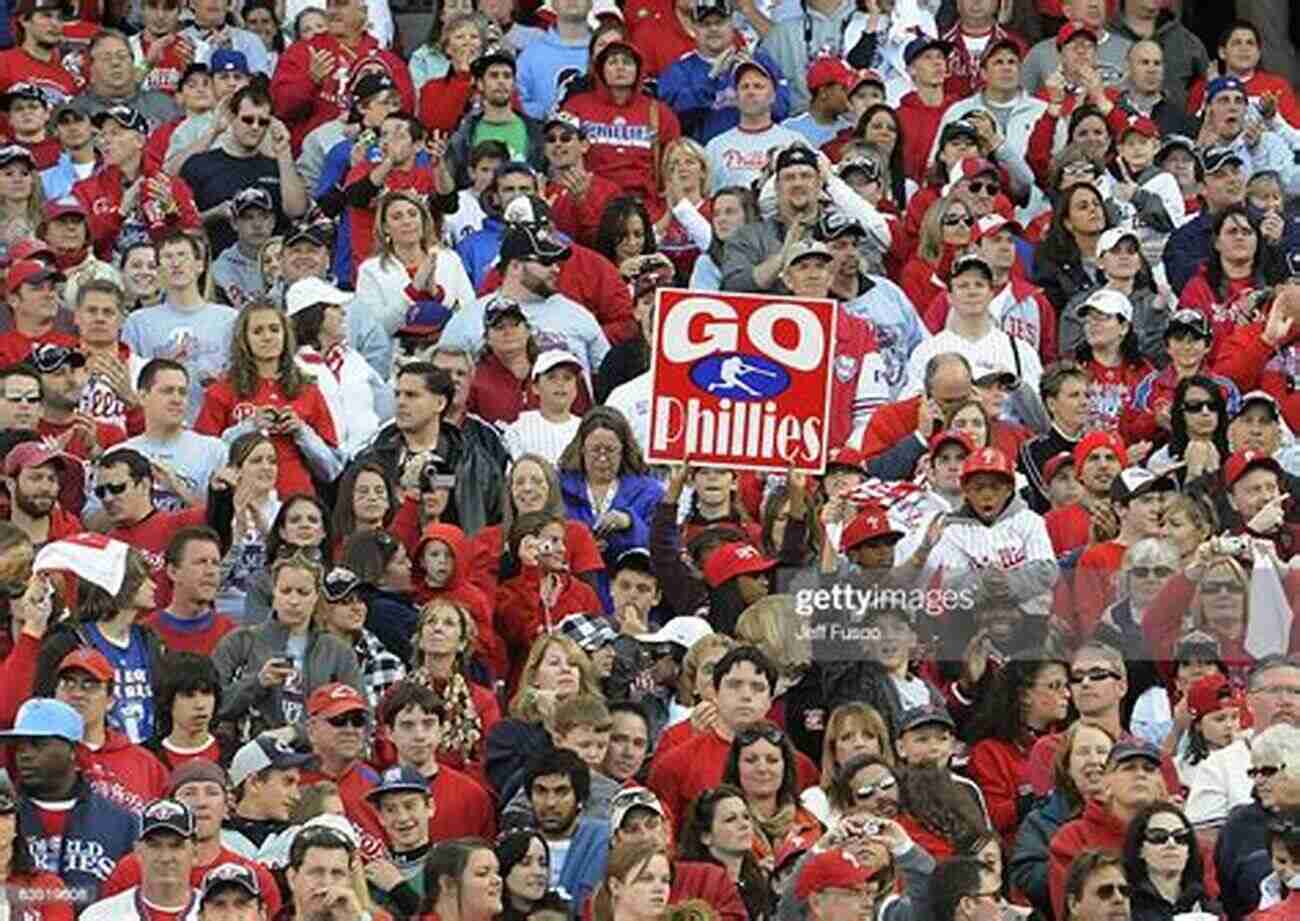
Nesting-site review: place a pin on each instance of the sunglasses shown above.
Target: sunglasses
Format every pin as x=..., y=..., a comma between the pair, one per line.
x=355, y=720
x=103, y=490
x=1108, y=891
x=31, y=399
x=1093, y=675
x=980, y=188
x=1166, y=835
x=1264, y=773
x=955, y=220
x=1222, y=587
x=866, y=791
x=754, y=733
x=560, y=137
x=254, y=120
x=1148, y=572
x=1199, y=406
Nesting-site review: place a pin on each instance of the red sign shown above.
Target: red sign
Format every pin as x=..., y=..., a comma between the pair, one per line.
x=741, y=380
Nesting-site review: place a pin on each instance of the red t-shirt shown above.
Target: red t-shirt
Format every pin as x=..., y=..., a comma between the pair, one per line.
x=122, y=772
x=222, y=408
x=151, y=535
x=174, y=757
x=461, y=808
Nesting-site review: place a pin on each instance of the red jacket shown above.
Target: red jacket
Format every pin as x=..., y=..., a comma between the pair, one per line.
x=468, y=808
x=922, y=123
x=123, y=772
x=101, y=194
x=923, y=281
x=1069, y=528
x=1094, y=584
x=1252, y=364
x=1097, y=829
x=223, y=408
x=17, y=66
x=303, y=104
x=624, y=140
x=998, y=767
x=593, y=281
x=1226, y=314
x=855, y=339
x=488, y=544
x=496, y=395
x=460, y=589
x=443, y=101
x=580, y=219
x=1286, y=910
x=521, y=616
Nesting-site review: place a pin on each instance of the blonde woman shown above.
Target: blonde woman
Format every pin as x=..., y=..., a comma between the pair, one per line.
x=556, y=669
x=853, y=729
x=268, y=262
x=268, y=671
x=945, y=232
x=684, y=231
x=409, y=252
x=444, y=641
x=22, y=201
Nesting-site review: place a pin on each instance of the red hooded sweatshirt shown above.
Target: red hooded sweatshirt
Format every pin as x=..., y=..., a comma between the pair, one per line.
x=522, y=616
x=460, y=590
x=626, y=138
x=123, y=772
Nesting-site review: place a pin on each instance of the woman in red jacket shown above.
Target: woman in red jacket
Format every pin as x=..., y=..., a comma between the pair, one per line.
x=266, y=391
x=443, y=101
x=1028, y=697
x=1222, y=288
x=945, y=232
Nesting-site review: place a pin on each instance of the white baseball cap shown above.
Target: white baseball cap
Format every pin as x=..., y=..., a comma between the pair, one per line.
x=1115, y=303
x=684, y=631
x=307, y=292
x=1111, y=238
x=553, y=358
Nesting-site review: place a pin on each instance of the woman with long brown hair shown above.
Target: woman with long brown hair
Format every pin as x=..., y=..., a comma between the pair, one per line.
x=265, y=390
x=638, y=880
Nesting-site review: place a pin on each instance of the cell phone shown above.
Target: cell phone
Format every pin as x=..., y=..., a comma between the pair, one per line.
x=282, y=662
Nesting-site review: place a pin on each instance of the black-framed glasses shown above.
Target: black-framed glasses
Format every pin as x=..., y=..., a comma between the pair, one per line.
x=1148, y=572
x=356, y=719
x=1165, y=835
x=1200, y=406
x=104, y=490
x=75, y=683
x=1108, y=891
x=255, y=120
x=1264, y=772
x=1222, y=587
x=980, y=188
x=1093, y=675
x=754, y=733
x=868, y=790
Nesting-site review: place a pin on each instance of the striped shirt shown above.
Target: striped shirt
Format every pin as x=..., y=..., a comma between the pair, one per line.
x=533, y=434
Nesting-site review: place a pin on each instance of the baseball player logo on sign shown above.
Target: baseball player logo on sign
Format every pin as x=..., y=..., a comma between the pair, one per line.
x=741, y=380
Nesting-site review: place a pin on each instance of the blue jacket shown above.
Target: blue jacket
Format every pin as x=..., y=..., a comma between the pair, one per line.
x=706, y=106
x=637, y=495
x=584, y=865
x=99, y=833
x=1028, y=869
x=478, y=252
x=1241, y=858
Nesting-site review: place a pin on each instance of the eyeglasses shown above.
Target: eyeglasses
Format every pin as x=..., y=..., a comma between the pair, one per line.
x=868, y=790
x=1079, y=169
x=1222, y=587
x=31, y=399
x=603, y=450
x=1165, y=835
x=255, y=120
x=1093, y=675
x=1266, y=772
x=980, y=188
x=754, y=733
x=1148, y=572
x=73, y=683
x=1199, y=406
x=955, y=220
x=356, y=720
x=1108, y=891
x=103, y=490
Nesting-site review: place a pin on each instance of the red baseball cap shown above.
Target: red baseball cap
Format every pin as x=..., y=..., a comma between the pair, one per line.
x=834, y=869
x=89, y=660
x=1094, y=440
x=1142, y=125
x=334, y=700
x=987, y=460
x=31, y=454
x=734, y=559
x=827, y=70
x=62, y=207
x=1242, y=462
x=868, y=524
x=1056, y=464
x=30, y=272
x=1210, y=694
x=30, y=249
x=845, y=457
x=1072, y=30
x=948, y=436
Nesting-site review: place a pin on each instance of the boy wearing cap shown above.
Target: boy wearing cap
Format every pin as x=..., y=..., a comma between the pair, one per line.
x=81, y=844
x=1223, y=185
x=200, y=787
x=237, y=272
x=696, y=83
x=548, y=429
x=28, y=110
x=922, y=109
x=626, y=128
x=1138, y=498
x=264, y=783
x=828, y=80
x=230, y=892
x=415, y=720
x=994, y=546
x=120, y=771
x=578, y=196
x=165, y=851
x=405, y=808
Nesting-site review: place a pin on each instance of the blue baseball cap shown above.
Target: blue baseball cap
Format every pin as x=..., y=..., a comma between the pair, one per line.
x=228, y=61
x=400, y=779
x=753, y=64
x=47, y=718
x=1223, y=85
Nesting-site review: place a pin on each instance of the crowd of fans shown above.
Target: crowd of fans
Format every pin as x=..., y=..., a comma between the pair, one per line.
x=339, y=586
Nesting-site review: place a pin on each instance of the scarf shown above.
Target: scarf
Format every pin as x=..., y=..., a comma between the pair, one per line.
x=775, y=827
x=66, y=262
x=463, y=727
